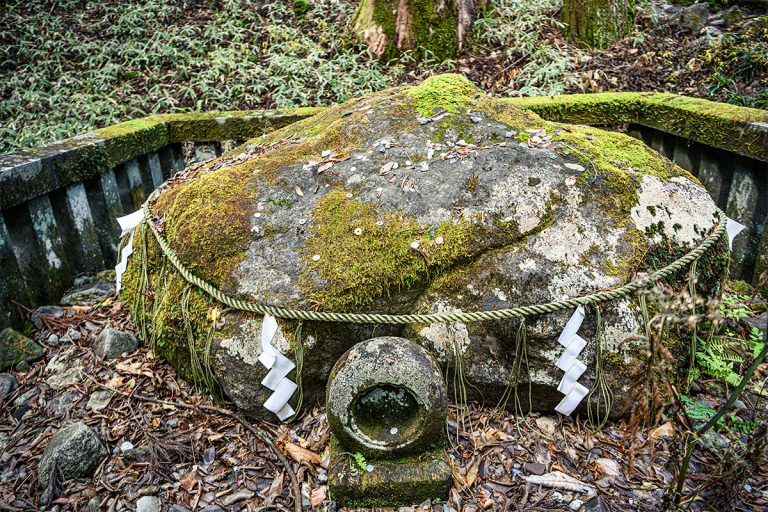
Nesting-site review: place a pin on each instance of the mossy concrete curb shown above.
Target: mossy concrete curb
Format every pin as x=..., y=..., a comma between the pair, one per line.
x=741, y=130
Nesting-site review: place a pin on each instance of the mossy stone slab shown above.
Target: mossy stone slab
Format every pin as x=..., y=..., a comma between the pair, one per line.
x=391, y=482
x=16, y=348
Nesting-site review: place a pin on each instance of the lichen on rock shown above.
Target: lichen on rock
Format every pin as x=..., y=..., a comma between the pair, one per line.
x=414, y=199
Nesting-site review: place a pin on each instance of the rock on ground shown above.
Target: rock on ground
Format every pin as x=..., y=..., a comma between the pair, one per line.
x=434, y=198
x=16, y=348
x=88, y=290
x=112, y=343
x=7, y=385
x=76, y=450
x=148, y=504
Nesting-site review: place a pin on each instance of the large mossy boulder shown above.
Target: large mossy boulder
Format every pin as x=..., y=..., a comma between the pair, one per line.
x=415, y=199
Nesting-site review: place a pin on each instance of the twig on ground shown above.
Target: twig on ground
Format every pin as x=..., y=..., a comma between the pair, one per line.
x=256, y=431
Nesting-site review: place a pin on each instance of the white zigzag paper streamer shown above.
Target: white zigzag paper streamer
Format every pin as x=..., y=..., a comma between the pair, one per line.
x=279, y=366
x=127, y=225
x=733, y=228
x=568, y=362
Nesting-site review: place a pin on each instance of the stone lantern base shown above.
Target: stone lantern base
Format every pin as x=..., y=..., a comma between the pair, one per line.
x=390, y=482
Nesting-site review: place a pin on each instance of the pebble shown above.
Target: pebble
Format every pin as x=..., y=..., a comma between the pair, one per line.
x=53, y=340
x=575, y=504
x=148, y=504
x=7, y=384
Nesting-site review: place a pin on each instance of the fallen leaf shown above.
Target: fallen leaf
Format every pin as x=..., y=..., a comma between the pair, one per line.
x=559, y=480
x=189, y=481
x=665, y=430
x=300, y=454
x=471, y=475
x=317, y=496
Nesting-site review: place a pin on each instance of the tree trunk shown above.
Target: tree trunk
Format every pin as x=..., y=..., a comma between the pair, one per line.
x=598, y=23
x=434, y=28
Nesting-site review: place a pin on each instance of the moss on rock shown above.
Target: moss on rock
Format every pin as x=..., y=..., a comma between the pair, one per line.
x=272, y=222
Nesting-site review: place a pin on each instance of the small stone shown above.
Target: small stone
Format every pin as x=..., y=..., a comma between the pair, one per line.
x=415, y=245
x=510, y=134
x=59, y=406
x=53, y=340
x=73, y=334
x=257, y=215
x=575, y=504
x=26, y=397
x=439, y=240
x=77, y=450
x=127, y=445
x=476, y=118
x=7, y=385
x=546, y=425
x=534, y=468
x=326, y=153
x=88, y=291
x=64, y=379
x=54, y=311
x=148, y=504
x=316, y=257
x=393, y=430
x=135, y=455
x=16, y=348
x=99, y=400
x=112, y=343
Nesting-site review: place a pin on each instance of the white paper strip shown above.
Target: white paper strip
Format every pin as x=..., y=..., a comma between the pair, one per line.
x=571, y=376
x=568, y=362
x=128, y=225
x=572, y=326
x=733, y=228
x=279, y=367
x=571, y=352
x=572, y=399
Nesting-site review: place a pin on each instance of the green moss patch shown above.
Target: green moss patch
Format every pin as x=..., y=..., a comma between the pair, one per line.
x=207, y=221
x=356, y=254
x=615, y=164
x=450, y=92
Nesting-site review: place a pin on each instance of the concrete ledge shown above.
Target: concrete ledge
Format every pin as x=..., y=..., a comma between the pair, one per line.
x=235, y=125
x=741, y=130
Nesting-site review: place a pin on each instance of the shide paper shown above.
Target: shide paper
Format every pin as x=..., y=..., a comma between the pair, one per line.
x=568, y=362
x=127, y=225
x=279, y=366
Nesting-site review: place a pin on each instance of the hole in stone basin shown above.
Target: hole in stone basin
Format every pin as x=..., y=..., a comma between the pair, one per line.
x=382, y=409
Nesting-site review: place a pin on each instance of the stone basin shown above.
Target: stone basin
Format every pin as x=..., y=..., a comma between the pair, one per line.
x=420, y=199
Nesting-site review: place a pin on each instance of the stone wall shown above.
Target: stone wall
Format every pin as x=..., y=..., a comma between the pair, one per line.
x=58, y=203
